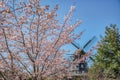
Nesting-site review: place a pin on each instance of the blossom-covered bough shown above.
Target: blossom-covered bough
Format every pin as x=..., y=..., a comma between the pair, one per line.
x=31, y=39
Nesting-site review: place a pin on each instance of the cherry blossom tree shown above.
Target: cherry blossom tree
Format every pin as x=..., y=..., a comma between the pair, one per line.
x=31, y=40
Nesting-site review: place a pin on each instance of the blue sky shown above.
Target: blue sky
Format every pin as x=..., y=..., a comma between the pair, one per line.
x=95, y=14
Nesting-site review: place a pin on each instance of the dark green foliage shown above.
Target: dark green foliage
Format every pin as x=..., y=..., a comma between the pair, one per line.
x=29, y=79
x=107, y=59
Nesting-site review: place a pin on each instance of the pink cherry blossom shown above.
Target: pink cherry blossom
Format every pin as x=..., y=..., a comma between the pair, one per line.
x=31, y=40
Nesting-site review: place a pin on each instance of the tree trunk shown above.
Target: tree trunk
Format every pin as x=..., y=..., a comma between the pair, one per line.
x=35, y=78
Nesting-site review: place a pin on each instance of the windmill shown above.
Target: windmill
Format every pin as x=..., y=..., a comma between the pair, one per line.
x=82, y=51
x=82, y=67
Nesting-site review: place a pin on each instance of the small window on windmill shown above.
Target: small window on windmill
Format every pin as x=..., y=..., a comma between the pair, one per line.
x=77, y=66
x=81, y=65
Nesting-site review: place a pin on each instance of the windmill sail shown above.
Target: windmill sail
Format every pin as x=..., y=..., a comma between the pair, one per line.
x=75, y=45
x=89, y=43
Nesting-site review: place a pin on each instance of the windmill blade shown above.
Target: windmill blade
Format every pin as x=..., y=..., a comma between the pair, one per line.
x=91, y=59
x=89, y=43
x=70, y=54
x=73, y=43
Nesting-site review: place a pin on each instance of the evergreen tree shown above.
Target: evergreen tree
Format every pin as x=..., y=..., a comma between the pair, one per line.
x=107, y=59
